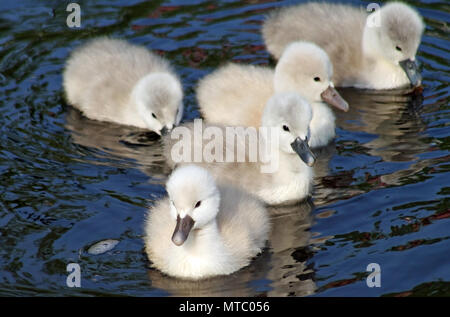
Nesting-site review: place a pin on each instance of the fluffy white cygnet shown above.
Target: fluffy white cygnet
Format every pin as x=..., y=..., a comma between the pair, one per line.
x=204, y=229
x=237, y=94
x=275, y=164
x=374, y=51
x=112, y=80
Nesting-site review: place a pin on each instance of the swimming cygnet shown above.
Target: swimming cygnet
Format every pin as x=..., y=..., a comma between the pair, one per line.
x=376, y=51
x=237, y=94
x=204, y=229
x=112, y=80
x=276, y=162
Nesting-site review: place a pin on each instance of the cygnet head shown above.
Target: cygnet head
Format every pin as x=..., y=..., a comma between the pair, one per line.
x=394, y=33
x=306, y=68
x=158, y=97
x=290, y=115
x=194, y=200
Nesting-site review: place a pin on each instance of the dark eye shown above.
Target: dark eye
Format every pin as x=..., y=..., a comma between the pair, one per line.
x=198, y=204
x=398, y=48
x=153, y=115
x=316, y=78
x=286, y=128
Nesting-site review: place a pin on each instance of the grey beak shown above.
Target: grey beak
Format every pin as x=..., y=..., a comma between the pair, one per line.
x=301, y=147
x=411, y=69
x=333, y=98
x=165, y=130
x=182, y=229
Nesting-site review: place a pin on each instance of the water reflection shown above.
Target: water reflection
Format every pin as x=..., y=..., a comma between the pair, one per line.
x=380, y=129
x=289, y=241
x=393, y=119
x=126, y=145
x=249, y=281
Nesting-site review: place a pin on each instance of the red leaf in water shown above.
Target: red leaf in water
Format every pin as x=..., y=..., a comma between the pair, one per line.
x=136, y=27
x=163, y=9
x=155, y=14
x=426, y=221
x=442, y=216
x=341, y=283
x=254, y=48
x=258, y=1
x=403, y=294
x=168, y=8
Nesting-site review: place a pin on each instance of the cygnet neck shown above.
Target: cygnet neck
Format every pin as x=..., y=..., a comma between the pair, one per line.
x=205, y=239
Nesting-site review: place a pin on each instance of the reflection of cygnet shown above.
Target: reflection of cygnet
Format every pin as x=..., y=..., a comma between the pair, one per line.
x=284, y=176
x=376, y=52
x=290, y=273
x=202, y=229
x=112, y=80
x=237, y=94
x=117, y=145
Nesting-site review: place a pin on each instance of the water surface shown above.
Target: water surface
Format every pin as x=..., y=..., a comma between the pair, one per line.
x=381, y=195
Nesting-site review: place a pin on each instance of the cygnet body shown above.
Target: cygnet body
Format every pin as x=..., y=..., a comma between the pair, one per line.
x=113, y=80
x=237, y=94
x=204, y=229
x=376, y=51
x=280, y=172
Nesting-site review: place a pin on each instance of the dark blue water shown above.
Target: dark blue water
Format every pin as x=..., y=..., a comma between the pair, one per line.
x=381, y=195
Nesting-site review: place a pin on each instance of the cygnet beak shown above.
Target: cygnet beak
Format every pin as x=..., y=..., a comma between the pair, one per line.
x=332, y=97
x=165, y=130
x=182, y=229
x=301, y=147
x=411, y=69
